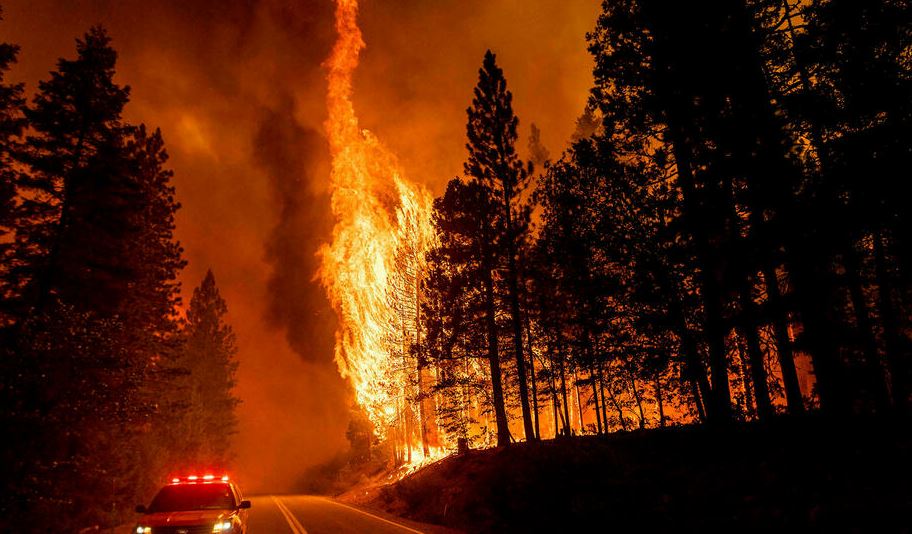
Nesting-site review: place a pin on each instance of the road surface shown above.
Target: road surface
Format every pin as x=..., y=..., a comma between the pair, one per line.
x=306, y=514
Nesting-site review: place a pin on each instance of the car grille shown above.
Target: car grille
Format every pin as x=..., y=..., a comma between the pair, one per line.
x=195, y=529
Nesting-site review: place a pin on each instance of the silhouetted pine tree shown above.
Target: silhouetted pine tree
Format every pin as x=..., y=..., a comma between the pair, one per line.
x=690, y=79
x=539, y=161
x=573, y=194
x=549, y=310
x=460, y=302
x=207, y=388
x=12, y=122
x=627, y=95
x=784, y=121
x=95, y=267
x=493, y=162
x=856, y=57
x=841, y=76
x=77, y=159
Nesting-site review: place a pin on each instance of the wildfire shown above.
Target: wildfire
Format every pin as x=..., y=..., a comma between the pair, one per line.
x=372, y=267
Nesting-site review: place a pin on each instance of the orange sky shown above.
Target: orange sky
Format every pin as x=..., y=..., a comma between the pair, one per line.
x=238, y=91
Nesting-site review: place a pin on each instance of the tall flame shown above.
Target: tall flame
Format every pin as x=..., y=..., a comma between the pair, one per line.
x=383, y=226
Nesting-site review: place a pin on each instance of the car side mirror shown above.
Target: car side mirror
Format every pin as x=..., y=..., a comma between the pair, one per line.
x=141, y=509
x=244, y=505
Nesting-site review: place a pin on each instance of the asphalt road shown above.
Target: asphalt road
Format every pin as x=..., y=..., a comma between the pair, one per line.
x=306, y=514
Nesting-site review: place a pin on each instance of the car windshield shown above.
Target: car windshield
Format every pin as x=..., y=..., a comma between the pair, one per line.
x=180, y=497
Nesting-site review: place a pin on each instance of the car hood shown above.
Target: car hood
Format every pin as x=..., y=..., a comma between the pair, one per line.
x=188, y=518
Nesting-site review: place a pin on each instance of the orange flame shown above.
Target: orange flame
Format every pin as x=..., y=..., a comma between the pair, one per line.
x=383, y=227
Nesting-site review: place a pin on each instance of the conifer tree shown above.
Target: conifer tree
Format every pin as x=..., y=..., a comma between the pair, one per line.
x=208, y=358
x=460, y=309
x=66, y=247
x=12, y=122
x=494, y=163
x=93, y=272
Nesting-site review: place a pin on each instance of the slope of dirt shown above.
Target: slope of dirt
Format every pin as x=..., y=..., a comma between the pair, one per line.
x=807, y=475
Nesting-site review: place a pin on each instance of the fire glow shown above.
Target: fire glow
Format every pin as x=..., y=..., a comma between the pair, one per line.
x=372, y=268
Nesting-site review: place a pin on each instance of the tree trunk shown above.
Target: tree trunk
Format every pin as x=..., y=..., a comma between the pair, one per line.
x=593, y=378
x=566, y=404
x=601, y=381
x=897, y=357
x=619, y=409
x=537, y=434
x=554, y=399
x=770, y=149
x=579, y=400
x=407, y=431
x=873, y=368
x=554, y=412
x=423, y=414
x=516, y=322
x=678, y=107
x=720, y=394
x=660, y=405
x=828, y=369
x=755, y=354
x=745, y=381
x=698, y=400
x=804, y=260
x=594, y=374
x=793, y=396
x=638, y=399
x=420, y=366
x=500, y=412
x=693, y=367
x=397, y=431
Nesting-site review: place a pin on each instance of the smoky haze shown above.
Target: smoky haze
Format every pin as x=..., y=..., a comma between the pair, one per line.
x=291, y=155
x=239, y=93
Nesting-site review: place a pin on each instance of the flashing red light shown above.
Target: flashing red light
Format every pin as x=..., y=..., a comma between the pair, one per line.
x=196, y=479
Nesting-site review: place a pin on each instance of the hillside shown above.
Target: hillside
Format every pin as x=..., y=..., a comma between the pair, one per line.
x=806, y=474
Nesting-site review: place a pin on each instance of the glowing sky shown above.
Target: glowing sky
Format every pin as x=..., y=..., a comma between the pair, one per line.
x=238, y=91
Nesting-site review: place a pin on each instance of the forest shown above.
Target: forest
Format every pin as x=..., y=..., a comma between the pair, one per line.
x=107, y=383
x=725, y=240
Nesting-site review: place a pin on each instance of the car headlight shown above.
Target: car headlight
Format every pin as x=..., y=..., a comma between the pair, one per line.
x=222, y=527
x=143, y=530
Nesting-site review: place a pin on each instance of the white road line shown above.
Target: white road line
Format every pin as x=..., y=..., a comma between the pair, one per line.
x=403, y=527
x=293, y=522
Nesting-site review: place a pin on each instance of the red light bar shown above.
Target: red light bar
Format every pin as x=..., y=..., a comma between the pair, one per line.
x=196, y=479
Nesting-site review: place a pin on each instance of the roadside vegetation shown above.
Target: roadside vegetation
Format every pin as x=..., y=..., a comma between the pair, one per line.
x=102, y=369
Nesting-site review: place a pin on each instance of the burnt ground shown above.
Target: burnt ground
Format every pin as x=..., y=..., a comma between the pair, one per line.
x=791, y=475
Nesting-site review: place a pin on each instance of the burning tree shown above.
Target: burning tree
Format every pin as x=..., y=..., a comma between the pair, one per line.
x=372, y=268
x=460, y=316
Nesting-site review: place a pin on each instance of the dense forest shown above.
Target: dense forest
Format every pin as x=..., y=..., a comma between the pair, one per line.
x=726, y=239
x=100, y=372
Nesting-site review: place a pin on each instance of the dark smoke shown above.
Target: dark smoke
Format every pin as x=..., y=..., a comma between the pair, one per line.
x=291, y=155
